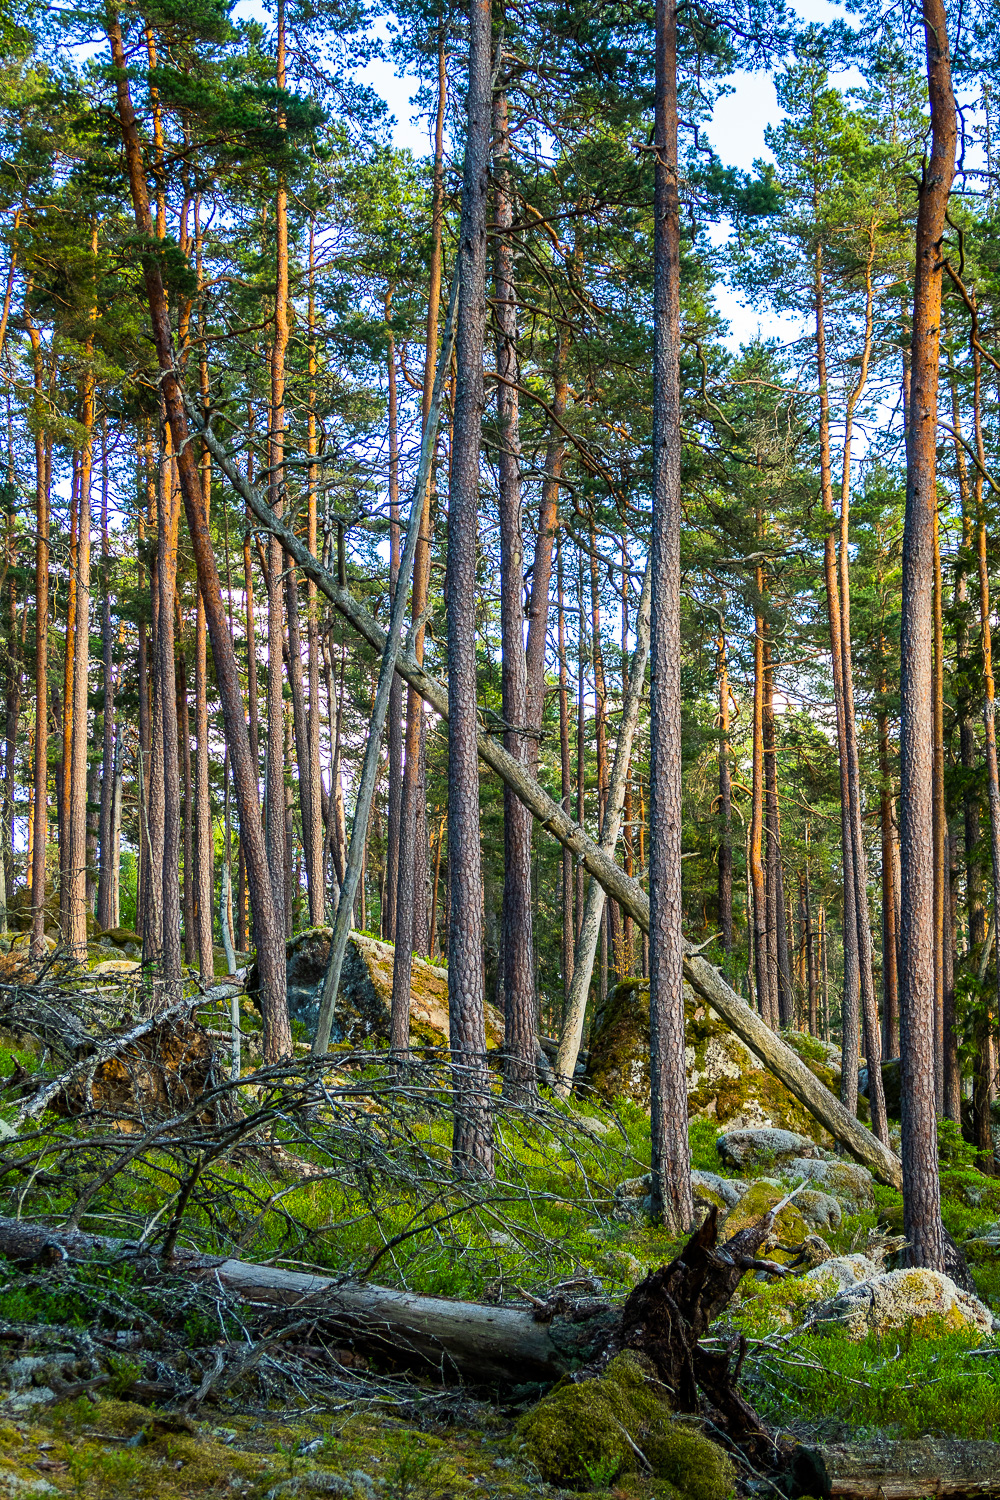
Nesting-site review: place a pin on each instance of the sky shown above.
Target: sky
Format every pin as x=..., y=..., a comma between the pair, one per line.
x=736, y=132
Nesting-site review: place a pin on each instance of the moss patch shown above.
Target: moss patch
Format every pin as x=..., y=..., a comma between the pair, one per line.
x=725, y=1081
x=582, y=1435
x=789, y=1228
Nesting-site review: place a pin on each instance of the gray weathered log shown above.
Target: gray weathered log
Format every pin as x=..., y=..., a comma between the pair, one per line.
x=482, y=1344
x=901, y=1471
x=586, y=944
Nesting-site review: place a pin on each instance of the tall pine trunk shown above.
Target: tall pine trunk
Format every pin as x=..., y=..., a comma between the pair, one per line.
x=520, y=1022
x=671, y=1160
x=921, y=1188
x=472, y=1141
x=270, y=939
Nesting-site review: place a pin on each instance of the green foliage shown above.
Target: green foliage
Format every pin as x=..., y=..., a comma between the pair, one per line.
x=905, y=1385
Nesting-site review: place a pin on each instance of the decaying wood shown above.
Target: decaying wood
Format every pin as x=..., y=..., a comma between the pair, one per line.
x=664, y=1316
x=900, y=1471
x=667, y=1315
x=160, y=1063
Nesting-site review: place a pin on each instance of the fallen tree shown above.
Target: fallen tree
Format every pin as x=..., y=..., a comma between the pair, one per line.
x=900, y=1471
x=664, y=1317
x=845, y=1128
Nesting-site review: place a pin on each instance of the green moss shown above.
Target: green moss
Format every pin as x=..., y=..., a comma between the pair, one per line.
x=789, y=1229
x=619, y=1044
x=583, y=1434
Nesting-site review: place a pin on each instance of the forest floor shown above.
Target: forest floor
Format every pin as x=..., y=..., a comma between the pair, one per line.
x=553, y=1216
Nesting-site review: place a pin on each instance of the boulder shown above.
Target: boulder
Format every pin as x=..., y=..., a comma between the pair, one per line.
x=926, y=1301
x=763, y=1147
x=632, y=1200
x=820, y=1211
x=22, y=943
x=839, y=1272
x=848, y=1182
x=364, y=1001
x=789, y=1230
x=117, y=966
x=891, y=1085
x=122, y=937
x=724, y=1192
x=725, y=1081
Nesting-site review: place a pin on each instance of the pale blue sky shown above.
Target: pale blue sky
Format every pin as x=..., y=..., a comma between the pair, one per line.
x=736, y=132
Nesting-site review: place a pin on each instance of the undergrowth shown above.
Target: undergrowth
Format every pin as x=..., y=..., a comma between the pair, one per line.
x=904, y=1385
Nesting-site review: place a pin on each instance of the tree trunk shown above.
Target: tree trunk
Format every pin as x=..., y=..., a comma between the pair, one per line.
x=890, y=936
x=568, y=881
x=313, y=835
x=520, y=1019
x=859, y=862
x=270, y=939
x=725, y=804
x=184, y=731
x=41, y=765
x=583, y=965
x=103, y=914
x=472, y=1143
x=76, y=934
x=921, y=1190
x=275, y=773
x=762, y=974
x=783, y=988
x=671, y=1162
x=394, y=722
x=410, y=933
x=851, y=1001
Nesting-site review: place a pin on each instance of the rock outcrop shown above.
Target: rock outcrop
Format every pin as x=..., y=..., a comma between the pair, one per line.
x=364, y=1001
x=917, y=1299
x=725, y=1080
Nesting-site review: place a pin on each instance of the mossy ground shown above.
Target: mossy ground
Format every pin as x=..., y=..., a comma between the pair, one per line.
x=558, y=1223
x=110, y=1449
x=586, y=1435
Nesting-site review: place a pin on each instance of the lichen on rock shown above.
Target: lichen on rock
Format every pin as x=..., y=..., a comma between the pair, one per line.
x=763, y=1147
x=585, y=1434
x=850, y=1183
x=920, y=1300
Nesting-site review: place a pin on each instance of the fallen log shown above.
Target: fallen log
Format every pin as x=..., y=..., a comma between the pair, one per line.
x=664, y=1316
x=900, y=1471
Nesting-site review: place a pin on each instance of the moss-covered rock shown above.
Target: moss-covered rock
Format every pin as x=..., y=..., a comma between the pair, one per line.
x=789, y=1230
x=925, y=1302
x=724, y=1080
x=582, y=1435
x=364, y=1000
x=847, y=1181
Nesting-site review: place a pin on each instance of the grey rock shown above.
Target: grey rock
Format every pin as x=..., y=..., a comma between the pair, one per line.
x=901, y=1299
x=847, y=1181
x=632, y=1199
x=748, y=1148
x=840, y=1272
x=819, y=1210
x=729, y=1189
